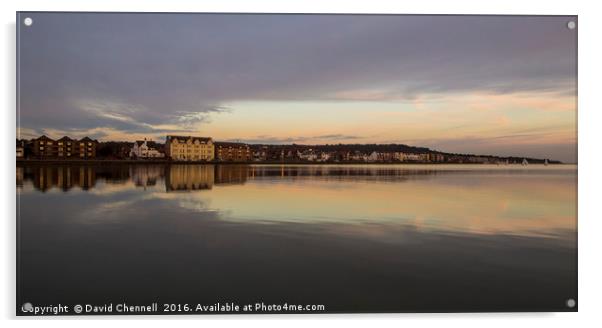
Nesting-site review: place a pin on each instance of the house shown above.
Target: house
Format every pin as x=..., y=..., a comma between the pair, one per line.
x=324, y=157
x=433, y=157
x=373, y=157
x=20, y=148
x=142, y=149
x=307, y=155
x=44, y=147
x=410, y=157
x=86, y=148
x=232, y=152
x=65, y=147
x=180, y=148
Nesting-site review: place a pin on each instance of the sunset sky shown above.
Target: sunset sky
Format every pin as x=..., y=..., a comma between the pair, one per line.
x=470, y=84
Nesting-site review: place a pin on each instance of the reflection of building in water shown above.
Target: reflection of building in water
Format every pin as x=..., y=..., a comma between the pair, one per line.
x=189, y=177
x=63, y=177
x=19, y=173
x=342, y=172
x=146, y=175
x=231, y=174
x=182, y=177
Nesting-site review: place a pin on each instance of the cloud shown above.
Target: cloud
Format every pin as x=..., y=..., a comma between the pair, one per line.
x=165, y=64
x=337, y=137
x=266, y=139
x=136, y=74
x=193, y=119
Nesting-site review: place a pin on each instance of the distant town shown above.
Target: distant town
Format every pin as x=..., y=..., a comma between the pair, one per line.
x=206, y=150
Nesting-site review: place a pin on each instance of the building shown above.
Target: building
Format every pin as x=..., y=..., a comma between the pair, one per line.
x=20, y=148
x=373, y=157
x=142, y=149
x=45, y=147
x=307, y=155
x=232, y=152
x=65, y=147
x=189, y=148
x=434, y=157
x=86, y=148
x=410, y=157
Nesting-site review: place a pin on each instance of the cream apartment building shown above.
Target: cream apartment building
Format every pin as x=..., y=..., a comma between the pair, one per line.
x=180, y=148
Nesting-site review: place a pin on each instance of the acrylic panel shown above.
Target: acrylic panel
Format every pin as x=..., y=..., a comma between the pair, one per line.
x=183, y=163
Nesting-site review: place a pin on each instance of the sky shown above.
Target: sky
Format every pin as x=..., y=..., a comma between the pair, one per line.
x=490, y=85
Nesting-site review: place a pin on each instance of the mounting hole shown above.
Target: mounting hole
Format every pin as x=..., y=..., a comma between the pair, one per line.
x=571, y=303
x=28, y=21
x=27, y=307
x=571, y=25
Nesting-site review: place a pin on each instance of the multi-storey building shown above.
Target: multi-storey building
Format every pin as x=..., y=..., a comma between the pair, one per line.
x=65, y=147
x=20, y=148
x=189, y=148
x=44, y=147
x=232, y=152
x=86, y=148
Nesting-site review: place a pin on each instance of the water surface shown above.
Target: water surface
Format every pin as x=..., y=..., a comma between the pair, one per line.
x=355, y=238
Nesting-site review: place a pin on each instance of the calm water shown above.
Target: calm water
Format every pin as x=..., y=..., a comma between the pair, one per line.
x=362, y=238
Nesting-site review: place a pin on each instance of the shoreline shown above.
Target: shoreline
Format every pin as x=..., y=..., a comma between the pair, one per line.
x=168, y=162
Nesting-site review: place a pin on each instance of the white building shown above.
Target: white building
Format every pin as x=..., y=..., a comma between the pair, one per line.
x=142, y=150
x=373, y=157
x=409, y=157
x=324, y=157
x=307, y=155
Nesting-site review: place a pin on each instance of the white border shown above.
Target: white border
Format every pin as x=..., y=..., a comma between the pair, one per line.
x=590, y=226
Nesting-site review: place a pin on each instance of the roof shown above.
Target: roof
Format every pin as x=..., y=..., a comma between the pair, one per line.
x=65, y=138
x=186, y=138
x=86, y=139
x=230, y=144
x=43, y=137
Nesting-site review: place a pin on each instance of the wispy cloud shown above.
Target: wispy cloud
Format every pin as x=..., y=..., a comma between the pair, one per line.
x=126, y=75
x=266, y=139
